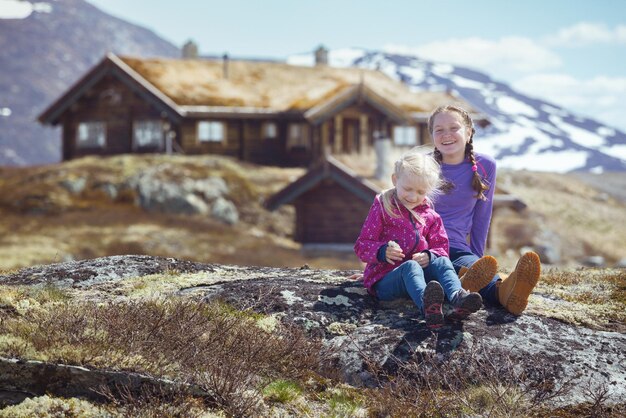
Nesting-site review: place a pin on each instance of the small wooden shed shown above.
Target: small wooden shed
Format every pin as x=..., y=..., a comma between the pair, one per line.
x=331, y=203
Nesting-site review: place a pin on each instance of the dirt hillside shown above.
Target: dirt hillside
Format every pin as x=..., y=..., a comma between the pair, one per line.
x=45, y=218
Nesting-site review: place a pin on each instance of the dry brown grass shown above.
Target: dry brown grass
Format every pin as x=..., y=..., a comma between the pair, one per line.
x=223, y=352
x=586, y=220
x=594, y=298
x=482, y=382
x=44, y=223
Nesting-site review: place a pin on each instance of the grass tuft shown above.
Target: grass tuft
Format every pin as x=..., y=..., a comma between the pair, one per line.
x=282, y=391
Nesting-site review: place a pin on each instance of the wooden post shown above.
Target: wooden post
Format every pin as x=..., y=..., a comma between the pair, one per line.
x=363, y=133
x=338, y=134
x=243, y=150
x=325, y=145
x=315, y=150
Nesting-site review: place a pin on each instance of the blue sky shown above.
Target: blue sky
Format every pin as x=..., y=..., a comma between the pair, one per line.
x=570, y=52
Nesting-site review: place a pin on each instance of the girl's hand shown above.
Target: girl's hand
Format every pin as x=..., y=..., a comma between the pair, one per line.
x=422, y=259
x=394, y=254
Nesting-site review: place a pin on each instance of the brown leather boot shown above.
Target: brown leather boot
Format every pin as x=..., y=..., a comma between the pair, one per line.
x=479, y=274
x=513, y=292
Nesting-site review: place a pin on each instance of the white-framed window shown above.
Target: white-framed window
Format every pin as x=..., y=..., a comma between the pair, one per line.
x=211, y=131
x=298, y=136
x=147, y=133
x=91, y=134
x=405, y=135
x=269, y=130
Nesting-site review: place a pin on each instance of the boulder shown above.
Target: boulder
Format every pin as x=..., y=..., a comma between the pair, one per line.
x=210, y=188
x=548, y=246
x=224, y=211
x=74, y=185
x=189, y=196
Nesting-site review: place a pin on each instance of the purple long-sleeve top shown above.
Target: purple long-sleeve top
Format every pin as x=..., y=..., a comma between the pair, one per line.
x=465, y=217
x=413, y=237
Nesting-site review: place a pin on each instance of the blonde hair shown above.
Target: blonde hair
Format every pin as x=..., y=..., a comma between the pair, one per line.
x=419, y=164
x=478, y=184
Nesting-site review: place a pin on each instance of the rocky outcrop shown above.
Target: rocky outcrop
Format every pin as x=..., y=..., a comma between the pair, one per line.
x=205, y=196
x=359, y=331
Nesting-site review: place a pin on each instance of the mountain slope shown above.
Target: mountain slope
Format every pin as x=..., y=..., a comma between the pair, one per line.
x=42, y=54
x=526, y=133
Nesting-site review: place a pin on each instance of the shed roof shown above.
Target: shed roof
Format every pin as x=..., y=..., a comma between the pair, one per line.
x=327, y=168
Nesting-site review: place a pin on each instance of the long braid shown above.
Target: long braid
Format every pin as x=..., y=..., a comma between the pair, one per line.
x=479, y=186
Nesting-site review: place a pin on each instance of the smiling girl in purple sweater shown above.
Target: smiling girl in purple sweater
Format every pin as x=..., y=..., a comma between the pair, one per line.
x=466, y=207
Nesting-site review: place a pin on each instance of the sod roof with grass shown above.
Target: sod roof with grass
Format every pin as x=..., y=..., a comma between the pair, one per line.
x=272, y=85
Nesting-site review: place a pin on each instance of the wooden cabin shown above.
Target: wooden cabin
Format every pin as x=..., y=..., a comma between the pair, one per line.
x=331, y=203
x=262, y=112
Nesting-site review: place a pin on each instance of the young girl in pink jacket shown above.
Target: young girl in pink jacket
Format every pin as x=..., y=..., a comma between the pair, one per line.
x=405, y=245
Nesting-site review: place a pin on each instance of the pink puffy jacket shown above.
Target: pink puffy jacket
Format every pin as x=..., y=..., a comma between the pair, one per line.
x=379, y=228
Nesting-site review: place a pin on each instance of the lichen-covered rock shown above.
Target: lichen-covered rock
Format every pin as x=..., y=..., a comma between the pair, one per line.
x=74, y=185
x=87, y=273
x=359, y=331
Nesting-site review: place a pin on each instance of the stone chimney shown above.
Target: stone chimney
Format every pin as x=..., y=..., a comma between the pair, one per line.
x=190, y=50
x=321, y=55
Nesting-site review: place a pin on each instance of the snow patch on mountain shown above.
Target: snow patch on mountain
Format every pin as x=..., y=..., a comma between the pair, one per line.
x=513, y=106
x=416, y=75
x=617, y=150
x=20, y=9
x=580, y=136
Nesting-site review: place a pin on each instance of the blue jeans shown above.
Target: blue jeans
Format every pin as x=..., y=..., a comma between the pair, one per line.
x=462, y=258
x=409, y=279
